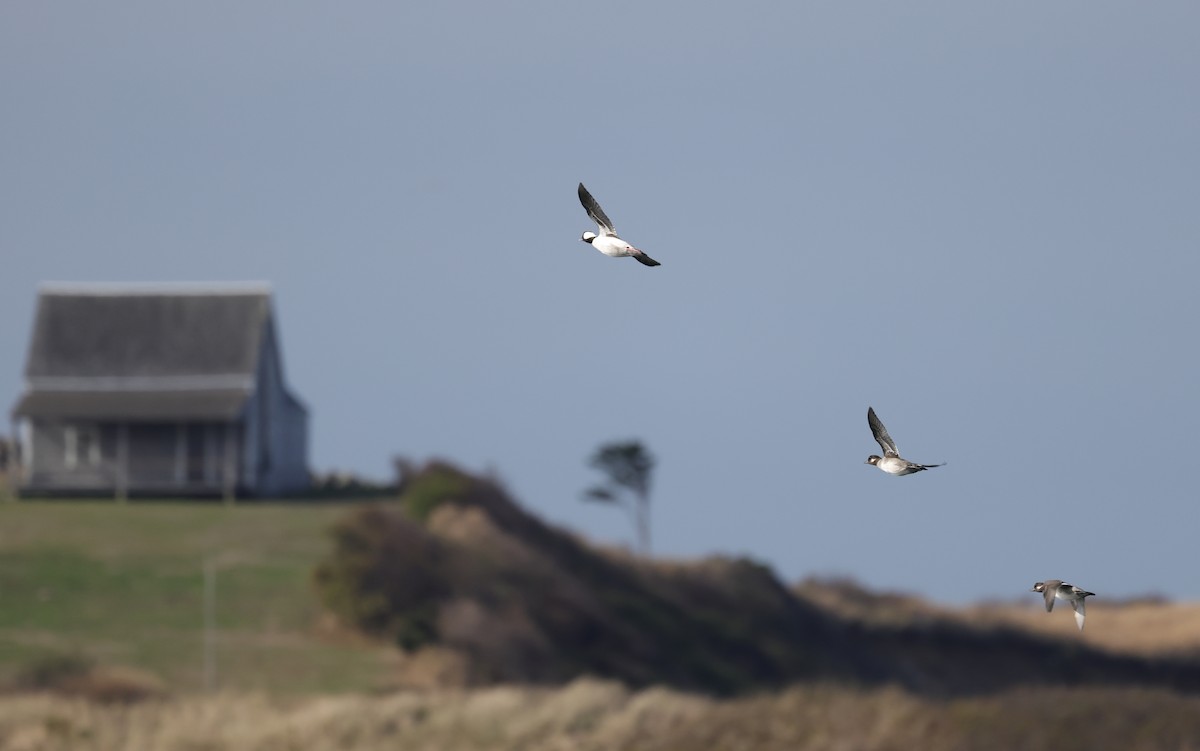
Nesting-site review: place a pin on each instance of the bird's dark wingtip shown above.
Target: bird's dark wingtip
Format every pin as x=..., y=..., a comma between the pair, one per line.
x=646, y=260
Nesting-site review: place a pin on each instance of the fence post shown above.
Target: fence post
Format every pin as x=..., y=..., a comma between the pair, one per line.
x=210, y=624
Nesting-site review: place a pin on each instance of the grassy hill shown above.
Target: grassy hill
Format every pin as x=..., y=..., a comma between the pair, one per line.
x=517, y=600
x=123, y=584
x=837, y=665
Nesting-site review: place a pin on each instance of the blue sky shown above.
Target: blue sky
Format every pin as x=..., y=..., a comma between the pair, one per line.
x=980, y=219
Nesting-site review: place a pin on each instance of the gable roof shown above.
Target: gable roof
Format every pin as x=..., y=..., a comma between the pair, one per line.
x=167, y=351
x=147, y=332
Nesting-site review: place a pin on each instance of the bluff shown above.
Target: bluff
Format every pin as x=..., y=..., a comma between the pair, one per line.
x=456, y=569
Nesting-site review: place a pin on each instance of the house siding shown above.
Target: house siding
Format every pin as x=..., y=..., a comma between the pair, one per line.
x=279, y=425
x=49, y=453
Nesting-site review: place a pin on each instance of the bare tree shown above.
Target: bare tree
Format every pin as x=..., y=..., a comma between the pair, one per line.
x=627, y=467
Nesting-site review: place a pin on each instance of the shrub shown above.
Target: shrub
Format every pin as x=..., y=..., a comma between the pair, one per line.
x=49, y=673
x=434, y=485
x=384, y=576
x=78, y=675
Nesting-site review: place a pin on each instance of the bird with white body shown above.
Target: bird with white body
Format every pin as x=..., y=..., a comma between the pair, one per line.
x=1056, y=589
x=891, y=461
x=606, y=240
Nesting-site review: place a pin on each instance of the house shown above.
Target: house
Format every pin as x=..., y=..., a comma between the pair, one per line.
x=159, y=389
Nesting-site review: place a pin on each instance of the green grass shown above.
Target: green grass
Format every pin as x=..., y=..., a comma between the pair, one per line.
x=123, y=584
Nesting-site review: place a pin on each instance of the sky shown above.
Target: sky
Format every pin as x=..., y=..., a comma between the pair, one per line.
x=980, y=219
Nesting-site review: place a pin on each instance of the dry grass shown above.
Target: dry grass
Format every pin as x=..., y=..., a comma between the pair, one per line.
x=1148, y=627
x=598, y=716
x=1144, y=628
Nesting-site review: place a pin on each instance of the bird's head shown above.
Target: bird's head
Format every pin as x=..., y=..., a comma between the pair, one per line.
x=1039, y=587
x=588, y=237
x=872, y=459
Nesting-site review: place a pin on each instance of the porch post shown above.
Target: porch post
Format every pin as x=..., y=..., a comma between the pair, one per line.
x=181, y=448
x=229, y=466
x=122, y=487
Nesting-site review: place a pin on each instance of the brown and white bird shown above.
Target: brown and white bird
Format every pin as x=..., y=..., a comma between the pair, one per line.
x=607, y=241
x=1056, y=589
x=890, y=462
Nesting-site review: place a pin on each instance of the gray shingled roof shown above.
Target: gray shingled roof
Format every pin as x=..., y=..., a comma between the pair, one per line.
x=160, y=352
x=134, y=405
x=82, y=333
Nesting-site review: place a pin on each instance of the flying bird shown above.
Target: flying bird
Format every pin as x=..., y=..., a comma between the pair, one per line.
x=607, y=241
x=1053, y=589
x=890, y=462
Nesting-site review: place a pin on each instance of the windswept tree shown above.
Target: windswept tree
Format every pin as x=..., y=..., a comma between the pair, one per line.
x=627, y=467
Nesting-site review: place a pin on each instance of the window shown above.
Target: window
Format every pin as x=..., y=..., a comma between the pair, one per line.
x=81, y=444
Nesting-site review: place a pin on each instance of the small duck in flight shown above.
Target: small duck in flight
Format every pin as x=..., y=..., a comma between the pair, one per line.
x=1053, y=589
x=607, y=241
x=890, y=462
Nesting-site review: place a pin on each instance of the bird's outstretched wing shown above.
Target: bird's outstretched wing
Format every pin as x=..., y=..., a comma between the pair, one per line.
x=881, y=435
x=1050, y=592
x=645, y=259
x=1080, y=612
x=596, y=213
